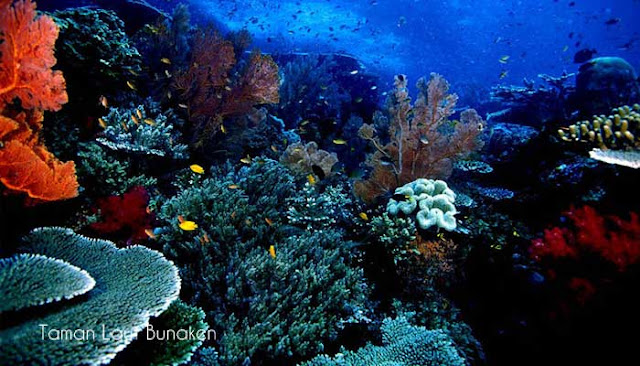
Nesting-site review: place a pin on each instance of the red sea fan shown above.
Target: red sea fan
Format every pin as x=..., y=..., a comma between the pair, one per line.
x=125, y=216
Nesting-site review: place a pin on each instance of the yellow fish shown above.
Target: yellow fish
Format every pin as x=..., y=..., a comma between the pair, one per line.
x=246, y=160
x=268, y=221
x=149, y=121
x=363, y=216
x=304, y=123
x=272, y=251
x=124, y=126
x=165, y=60
x=103, y=101
x=102, y=123
x=223, y=129
x=340, y=142
x=139, y=113
x=233, y=186
x=188, y=225
x=504, y=59
x=131, y=85
x=311, y=179
x=150, y=233
x=196, y=169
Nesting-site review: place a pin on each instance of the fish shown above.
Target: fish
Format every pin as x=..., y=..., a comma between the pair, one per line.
x=304, y=123
x=165, y=60
x=339, y=141
x=503, y=74
x=182, y=105
x=131, y=85
x=124, y=126
x=149, y=121
x=504, y=59
x=363, y=216
x=181, y=219
x=311, y=179
x=223, y=129
x=139, y=113
x=358, y=99
x=205, y=237
x=102, y=123
x=196, y=169
x=247, y=159
x=612, y=21
x=134, y=119
x=150, y=233
x=132, y=72
x=584, y=55
x=272, y=251
x=565, y=48
x=167, y=73
x=233, y=186
x=268, y=221
x=274, y=148
x=353, y=72
x=188, y=225
x=103, y=101
x=374, y=87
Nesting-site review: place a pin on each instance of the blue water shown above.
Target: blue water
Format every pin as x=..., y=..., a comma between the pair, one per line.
x=462, y=40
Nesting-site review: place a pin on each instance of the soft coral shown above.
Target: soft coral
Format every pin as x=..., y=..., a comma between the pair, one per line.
x=125, y=216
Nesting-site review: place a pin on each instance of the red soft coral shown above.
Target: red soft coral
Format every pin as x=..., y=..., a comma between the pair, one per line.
x=125, y=216
x=27, y=51
x=614, y=239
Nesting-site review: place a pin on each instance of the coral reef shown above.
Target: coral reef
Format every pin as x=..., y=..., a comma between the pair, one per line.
x=418, y=147
x=403, y=345
x=210, y=90
x=132, y=285
x=612, y=238
x=305, y=159
x=433, y=200
x=144, y=129
x=272, y=291
x=605, y=82
x=42, y=279
x=617, y=131
x=26, y=51
x=125, y=216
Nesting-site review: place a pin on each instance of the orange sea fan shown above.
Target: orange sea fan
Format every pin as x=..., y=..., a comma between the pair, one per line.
x=26, y=57
x=27, y=50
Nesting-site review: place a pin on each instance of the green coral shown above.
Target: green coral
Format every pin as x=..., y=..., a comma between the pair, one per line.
x=104, y=174
x=144, y=129
x=264, y=307
x=312, y=209
x=132, y=285
x=395, y=234
x=179, y=317
x=402, y=345
x=433, y=199
x=32, y=279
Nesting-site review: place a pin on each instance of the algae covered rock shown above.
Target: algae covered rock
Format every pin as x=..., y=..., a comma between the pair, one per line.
x=606, y=82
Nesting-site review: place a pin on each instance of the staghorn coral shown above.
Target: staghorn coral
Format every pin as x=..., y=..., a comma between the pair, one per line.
x=211, y=92
x=39, y=280
x=132, y=285
x=419, y=144
x=305, y=159
x=403, y=344
x=26, y=51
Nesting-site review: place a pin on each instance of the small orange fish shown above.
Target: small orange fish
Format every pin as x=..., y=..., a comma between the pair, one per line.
x=268, y=221
x=180, y=219
x=124, y=125
x=102, y=123
x=148, y=209
x=150, y=233
x=311, y=179
x=233, y=186
x=233, y=215
x=274, y=148
x=134, y=119
x=272, y=251
x=205, y=237
x=246, y=160
x=139, y=114
x=223, y=129
x=165, y=60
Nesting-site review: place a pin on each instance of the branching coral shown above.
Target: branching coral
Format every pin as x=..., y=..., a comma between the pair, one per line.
x=419, y=146
x=211, y=92
x=26, y=58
